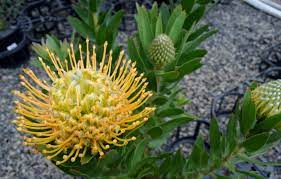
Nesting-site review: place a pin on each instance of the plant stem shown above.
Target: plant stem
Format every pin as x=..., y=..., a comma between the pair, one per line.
x=226, y=158
x=158, y=79
x=158, y=83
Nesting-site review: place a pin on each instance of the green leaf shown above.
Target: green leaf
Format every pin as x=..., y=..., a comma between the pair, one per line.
x=111, y=158
x=53, y=44
x=153, y=15
x=177, y=27
x=203, y=1
x=138, y=153
x=268, y=123
x=40, y=51
x=152, y=85
x=106, y=18
x=144, y=27
x=257, y=162
x=214, y=137
x=154, y=11
x=231, y=135
x=224, y=177
x=187, y=47
x=102, y=36
x=147, y=166
x=84, y=3
x=145, y=172
x=253, y=86
x=176, y=12
x=36, y=63
x=248, y=118
x=63, y=49
x=165, y=13
x=159, y=26
x=273, y=140
x=115, y=21
x=199, y=157
x=190, y=55
x=86, y=159
x=182, y=100
x=81, y=27
x=88, y=169
x=165, y=166
x=168, y=127
x=194, y=17
x=169, y=111
x=94, y=21
x=176, y=121
x=177, y=164
x=189, y=67
x=155, y=132
x=169, y=76
x=135, y=55
x=251, y=173
x=255, y=142
x=198, y=32
x=94, y=5
x=81, y=12
x=115, y=54
x=158, y=99
x=187, y=5
x=127, y=152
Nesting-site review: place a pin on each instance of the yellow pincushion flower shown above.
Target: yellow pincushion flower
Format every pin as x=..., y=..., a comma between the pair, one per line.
x=86, y=107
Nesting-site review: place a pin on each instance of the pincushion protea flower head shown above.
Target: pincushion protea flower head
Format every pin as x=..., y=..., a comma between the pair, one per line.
x=267, y=98
x=86, y=107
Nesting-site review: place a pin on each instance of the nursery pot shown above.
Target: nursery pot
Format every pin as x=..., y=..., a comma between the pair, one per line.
x=42, y=17
x=13, y=48
x=271, y=58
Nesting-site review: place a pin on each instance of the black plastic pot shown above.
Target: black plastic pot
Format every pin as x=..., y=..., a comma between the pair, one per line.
x=42, y=17
x=13, y=48
x=271, y=57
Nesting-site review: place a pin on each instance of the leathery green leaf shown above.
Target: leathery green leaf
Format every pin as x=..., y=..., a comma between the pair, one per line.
x=255, y=142
x=248, y=118
x=214, y=137
x=177, y=27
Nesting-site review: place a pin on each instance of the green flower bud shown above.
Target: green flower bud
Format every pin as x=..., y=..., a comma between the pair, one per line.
x=267, y=99
x=162, y=51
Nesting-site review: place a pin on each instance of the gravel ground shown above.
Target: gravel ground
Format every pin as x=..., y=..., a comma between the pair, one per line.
x=234, y=55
